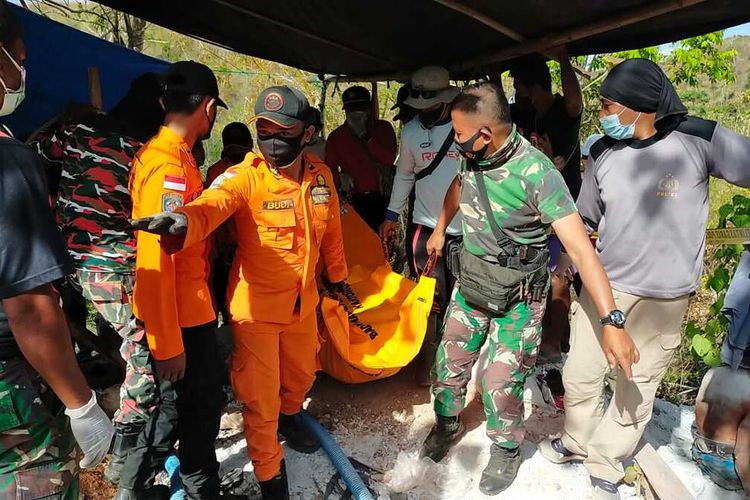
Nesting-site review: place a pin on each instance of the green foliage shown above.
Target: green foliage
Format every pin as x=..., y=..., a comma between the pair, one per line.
x=702, y=56
x=705, y=340
x=690, y=63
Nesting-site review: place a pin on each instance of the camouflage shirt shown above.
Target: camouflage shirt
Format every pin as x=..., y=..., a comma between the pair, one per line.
x=93, y=206
x=526, y=195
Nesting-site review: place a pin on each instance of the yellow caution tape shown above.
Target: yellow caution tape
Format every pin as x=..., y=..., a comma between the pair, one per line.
x=735, y=235
x=729, y=236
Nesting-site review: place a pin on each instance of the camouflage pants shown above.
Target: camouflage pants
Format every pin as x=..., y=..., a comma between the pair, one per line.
x=110, y=294
x=38, y=454
x=514, y=342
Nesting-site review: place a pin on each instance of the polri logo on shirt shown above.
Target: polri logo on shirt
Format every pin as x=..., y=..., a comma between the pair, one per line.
x=668, y=187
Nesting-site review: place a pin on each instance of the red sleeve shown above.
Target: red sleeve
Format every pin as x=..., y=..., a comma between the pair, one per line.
x=382, y=145
x=333, y=153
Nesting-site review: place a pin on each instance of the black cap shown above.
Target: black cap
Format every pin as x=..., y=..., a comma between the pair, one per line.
x=192, y=78
x=401, y=96
x=356, y=95
x=284, y=106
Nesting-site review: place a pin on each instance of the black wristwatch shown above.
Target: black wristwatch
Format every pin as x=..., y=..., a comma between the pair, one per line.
x=615, y=318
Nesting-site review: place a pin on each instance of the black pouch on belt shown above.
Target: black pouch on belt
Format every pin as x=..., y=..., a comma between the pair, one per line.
x=519, y=274
x=453, y=256
x=495, y=289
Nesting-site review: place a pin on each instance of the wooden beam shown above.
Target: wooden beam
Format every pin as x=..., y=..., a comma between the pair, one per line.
x=95, y=88
x=664, y=481
x=632, y=16
x=482, y=18
x=301, y=32
x=391, y=77
x=501, y=28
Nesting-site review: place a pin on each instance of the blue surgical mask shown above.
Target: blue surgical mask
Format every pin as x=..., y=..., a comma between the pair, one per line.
x=612, y=126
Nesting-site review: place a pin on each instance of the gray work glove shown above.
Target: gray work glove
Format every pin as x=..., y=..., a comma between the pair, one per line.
x=93, y=431
x=164, y=223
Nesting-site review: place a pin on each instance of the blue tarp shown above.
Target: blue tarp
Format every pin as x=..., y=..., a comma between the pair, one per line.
x=58, y=58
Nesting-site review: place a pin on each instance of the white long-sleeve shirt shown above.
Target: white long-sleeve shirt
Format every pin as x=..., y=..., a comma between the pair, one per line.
x=419, y=145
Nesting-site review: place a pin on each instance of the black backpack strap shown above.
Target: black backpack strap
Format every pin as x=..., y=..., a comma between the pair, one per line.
x=506, y=245
x=438, y=157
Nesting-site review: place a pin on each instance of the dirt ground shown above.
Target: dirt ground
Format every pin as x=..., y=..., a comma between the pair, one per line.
x=94, y=486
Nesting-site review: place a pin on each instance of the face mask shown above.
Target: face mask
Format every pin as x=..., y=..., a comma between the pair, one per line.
x=280, y=152
x=612, y=126
x=13, y=98
x=465, y=148
x=210, y=128
x=357, y=117
x=431, y=116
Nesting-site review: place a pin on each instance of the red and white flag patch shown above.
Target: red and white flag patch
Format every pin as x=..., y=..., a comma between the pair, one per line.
x=175, y=183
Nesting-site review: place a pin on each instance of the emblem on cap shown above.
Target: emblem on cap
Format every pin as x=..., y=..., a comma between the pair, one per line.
x=273, y=102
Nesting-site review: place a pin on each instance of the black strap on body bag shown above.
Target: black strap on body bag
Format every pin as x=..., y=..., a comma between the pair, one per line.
x=438, y=157
x=520, y=274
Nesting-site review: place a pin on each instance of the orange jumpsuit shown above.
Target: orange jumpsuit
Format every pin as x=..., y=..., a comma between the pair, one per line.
x=171, y=291
x=283, y=228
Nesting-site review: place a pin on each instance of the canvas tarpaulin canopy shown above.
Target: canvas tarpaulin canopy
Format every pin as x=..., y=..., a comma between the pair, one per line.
x=394, y=37
x=57, y=63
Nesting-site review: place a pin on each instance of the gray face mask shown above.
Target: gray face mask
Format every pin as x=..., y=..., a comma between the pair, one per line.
x=280, y=152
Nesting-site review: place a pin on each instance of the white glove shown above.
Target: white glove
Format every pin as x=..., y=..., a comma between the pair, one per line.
x=93, y=431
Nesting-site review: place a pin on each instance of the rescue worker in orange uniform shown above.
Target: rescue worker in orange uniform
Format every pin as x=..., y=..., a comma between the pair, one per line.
x=172, y=300
x=287, y=217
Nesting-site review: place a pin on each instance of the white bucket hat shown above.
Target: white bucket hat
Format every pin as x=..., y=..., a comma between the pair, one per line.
x=430, y=86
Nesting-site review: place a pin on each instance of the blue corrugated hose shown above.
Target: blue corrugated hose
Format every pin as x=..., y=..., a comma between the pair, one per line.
x=339, y=459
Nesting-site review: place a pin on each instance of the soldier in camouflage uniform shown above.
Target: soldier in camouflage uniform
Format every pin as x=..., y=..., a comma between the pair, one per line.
x=33, y=437
x=526, y=195
x=93, y=208
x=46, y=406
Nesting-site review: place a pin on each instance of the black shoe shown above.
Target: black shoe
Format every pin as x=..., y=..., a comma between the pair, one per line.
x=125, y=440
x=444, y=434
x=276, y=488
x=298, y=437
x=160, y=492
x=501, y=470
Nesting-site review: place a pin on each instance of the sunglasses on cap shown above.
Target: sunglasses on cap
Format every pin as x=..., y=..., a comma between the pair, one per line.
x=424, y=94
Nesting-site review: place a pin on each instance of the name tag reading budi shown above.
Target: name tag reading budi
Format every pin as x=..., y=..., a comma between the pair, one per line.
x=278, y=204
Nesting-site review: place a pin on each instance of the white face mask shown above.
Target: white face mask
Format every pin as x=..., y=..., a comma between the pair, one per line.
x=13, y=98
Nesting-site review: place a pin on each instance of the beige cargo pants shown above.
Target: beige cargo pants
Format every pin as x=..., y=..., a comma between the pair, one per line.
x=607, y=434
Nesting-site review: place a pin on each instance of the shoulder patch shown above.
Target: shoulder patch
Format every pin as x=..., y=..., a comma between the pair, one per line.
x=698, y=127
x=223, y=177
x=600, y=146
x=171, y=201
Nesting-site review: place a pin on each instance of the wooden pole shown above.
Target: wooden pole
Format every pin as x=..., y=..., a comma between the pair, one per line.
x=482, y=18
x=632, y=16
x=95, y=88
x=391, y=77
x=662, y=479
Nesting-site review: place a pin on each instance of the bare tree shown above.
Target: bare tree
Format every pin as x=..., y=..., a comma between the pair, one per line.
x=105, y=22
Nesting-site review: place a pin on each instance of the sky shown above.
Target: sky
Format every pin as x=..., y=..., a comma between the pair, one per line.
x=742, y=29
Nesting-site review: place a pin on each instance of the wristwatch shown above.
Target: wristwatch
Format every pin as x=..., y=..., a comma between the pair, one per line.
x=615, y=318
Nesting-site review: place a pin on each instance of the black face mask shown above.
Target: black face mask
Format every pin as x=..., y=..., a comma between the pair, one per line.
x=210, y=128
x=464, y=148
x=280, y=152
x=430, y=117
